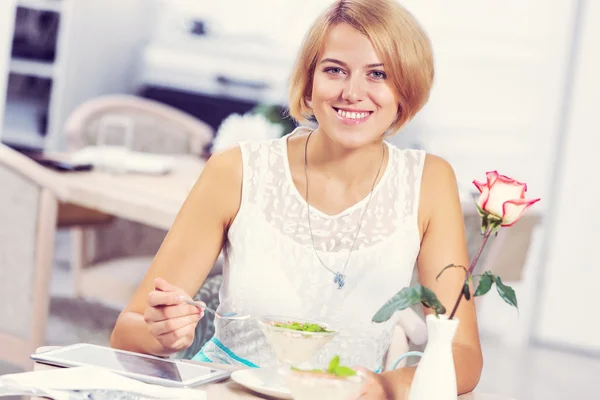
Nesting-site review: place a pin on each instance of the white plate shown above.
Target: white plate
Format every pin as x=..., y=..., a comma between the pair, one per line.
x=264, y=381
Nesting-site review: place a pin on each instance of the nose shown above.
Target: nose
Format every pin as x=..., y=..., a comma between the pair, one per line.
x=353, y=90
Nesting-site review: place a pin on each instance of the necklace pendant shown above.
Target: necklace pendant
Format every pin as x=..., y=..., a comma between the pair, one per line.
x=339, y=280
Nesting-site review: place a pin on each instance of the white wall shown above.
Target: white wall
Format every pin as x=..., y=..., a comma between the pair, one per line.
x=497, y=104
x=567, y=306
x=500, y=74
x=100, y=42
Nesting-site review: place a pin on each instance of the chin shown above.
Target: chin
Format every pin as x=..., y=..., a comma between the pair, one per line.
x=351, y=139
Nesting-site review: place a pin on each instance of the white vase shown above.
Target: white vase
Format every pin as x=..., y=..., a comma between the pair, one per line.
x=435, y=377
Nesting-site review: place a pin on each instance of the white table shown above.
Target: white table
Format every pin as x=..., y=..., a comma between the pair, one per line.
x=229, y=390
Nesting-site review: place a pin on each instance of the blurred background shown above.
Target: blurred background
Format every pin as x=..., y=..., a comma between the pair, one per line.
x=516, y=90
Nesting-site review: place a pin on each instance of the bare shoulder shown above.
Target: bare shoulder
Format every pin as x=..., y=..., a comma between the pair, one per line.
x=220, y=183
x=439, y=190
x=437, y=173
x=227, y=162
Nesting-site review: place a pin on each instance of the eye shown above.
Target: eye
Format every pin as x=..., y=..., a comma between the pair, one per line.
x=334, y=70
x=378, y=75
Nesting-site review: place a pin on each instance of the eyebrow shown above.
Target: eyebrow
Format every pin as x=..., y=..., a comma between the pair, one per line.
x=343, y=64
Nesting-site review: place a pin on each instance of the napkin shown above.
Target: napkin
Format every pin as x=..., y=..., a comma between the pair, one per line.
x=123, y=160
x=60, y=383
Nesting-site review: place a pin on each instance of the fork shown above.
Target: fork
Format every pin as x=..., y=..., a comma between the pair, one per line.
x=229, y=315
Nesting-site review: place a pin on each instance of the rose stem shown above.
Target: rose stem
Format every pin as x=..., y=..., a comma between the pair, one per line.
x=486, y=236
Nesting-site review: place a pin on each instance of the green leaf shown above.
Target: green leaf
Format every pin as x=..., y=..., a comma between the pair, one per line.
x=344, y=371
x=333, y=364
x=408, y=297
x=431, y=300
x=484, y=224
x=466, y=290
x=306, y=370
x=496, y=227
x=451, y=266
x=506, y=292
x=403, y=299
x=480, y=211
x=485, y=284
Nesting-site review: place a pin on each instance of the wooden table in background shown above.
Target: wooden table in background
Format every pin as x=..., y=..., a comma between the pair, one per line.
x=153, y=200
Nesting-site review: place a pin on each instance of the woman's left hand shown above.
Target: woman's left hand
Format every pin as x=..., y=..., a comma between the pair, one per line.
x=375, y=386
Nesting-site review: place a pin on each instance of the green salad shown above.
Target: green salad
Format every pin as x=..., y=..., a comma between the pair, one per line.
x=304, y=327
x=334, y=369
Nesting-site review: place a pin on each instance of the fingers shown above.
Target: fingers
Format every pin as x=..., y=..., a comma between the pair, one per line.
x=170, y=320
x=183, y=337
x=164, y=286
x=179, y=339
x=157, y=314
x=373, y=387
x=157, y=298
x=172, y=324
x=364, y=371
x=164, y=305
x=165, y=294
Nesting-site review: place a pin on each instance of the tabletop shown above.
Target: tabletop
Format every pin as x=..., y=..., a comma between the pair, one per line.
x=230, y=390
x=152, y=200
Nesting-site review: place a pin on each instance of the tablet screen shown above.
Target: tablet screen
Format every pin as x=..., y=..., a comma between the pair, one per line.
x=117, y=360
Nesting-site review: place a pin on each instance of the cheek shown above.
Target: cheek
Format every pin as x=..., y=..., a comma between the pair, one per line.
x=386, y=98
x=387, y=102
x=324, y=89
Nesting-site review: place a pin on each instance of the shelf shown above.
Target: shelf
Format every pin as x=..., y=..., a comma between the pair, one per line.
x=21, y=123
x=40, y=69
x=43, y=5
x=23, y=139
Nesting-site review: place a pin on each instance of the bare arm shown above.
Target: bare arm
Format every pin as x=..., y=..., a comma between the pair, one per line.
x=443, y=242
x=188, y=252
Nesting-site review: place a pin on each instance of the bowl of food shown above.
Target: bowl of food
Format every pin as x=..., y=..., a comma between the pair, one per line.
x=295, y=341
x=337, y=382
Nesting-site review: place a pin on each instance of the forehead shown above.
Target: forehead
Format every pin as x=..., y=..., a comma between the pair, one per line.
x=345, y=43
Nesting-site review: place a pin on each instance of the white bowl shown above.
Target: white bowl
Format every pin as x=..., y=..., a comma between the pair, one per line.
x=293, y=346
x=316, y=386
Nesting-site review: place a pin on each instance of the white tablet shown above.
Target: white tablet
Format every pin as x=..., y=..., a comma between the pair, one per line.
x=149, y=369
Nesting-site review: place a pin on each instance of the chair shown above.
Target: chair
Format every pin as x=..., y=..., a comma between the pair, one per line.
x=109, y=259
x=28, y=210
x=157, y=127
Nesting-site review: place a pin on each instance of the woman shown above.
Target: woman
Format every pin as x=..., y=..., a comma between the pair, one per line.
x=324, y=224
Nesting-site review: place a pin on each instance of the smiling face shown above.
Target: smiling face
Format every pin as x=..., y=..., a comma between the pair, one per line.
x=352, y=99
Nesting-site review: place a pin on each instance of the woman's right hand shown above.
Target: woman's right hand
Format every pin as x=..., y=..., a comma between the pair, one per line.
x=170, y=320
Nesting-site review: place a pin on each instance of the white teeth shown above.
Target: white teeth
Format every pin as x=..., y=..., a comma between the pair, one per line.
x=352, y=115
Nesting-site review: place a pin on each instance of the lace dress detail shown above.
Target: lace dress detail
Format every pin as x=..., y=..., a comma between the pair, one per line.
x=271, y=269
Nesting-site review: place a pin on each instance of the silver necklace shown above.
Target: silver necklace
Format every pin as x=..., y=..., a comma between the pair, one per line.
x=339, y=277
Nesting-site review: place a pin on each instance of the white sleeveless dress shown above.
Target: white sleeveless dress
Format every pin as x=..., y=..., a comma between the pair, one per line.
x=271, y=269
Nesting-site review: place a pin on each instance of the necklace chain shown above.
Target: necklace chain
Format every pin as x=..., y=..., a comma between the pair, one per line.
x=339, y=276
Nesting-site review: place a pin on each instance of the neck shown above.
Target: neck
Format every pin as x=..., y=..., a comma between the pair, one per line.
x=346, y=165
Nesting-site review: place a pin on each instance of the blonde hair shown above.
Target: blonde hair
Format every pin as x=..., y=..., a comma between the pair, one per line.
x=398, y=39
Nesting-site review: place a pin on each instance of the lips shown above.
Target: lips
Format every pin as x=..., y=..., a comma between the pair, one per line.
x=352, y=117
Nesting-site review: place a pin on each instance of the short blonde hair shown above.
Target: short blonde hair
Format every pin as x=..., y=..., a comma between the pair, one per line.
x=398, y=39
